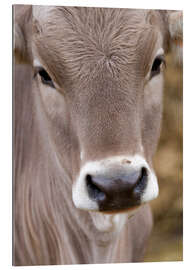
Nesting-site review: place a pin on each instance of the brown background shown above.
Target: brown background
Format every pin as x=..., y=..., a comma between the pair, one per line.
x=166, y=240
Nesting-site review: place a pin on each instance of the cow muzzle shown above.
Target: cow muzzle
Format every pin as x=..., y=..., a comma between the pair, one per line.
x=115, y=184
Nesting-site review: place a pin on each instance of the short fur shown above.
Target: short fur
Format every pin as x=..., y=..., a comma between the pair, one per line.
x=99, y=59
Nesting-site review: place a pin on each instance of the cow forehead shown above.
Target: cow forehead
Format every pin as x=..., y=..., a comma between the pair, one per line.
x=92, y=38
x=103, y=22
x=46, y=13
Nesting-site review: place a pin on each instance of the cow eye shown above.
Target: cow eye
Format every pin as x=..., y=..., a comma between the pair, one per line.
x=157, y=64
x=45, y=77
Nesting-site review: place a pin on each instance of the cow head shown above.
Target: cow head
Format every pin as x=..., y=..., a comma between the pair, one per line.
x=98, y=74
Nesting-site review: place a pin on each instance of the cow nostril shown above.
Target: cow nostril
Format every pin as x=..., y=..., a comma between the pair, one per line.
x=94, y=191
x=142, y=181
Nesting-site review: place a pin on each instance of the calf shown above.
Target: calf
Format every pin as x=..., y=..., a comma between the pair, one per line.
x=88, y=104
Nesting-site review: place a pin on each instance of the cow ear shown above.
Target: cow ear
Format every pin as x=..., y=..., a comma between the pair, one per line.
x=21, y=32
x=175, y=21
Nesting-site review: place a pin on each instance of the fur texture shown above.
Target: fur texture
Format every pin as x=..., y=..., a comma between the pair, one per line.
x=104, y=105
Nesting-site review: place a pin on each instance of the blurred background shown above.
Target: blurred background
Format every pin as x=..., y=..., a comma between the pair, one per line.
x=166, y=240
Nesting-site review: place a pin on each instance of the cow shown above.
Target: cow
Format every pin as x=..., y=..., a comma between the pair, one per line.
x=88, y=86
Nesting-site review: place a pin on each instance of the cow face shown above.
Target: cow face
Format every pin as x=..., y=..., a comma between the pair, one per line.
x=98, y=74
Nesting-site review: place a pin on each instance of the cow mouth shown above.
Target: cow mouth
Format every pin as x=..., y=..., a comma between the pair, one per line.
x=126, y=206
x=120, y=211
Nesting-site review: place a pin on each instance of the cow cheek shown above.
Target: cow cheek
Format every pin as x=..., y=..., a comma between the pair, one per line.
x=54, y=106
x=152, y=115
x=53, y=102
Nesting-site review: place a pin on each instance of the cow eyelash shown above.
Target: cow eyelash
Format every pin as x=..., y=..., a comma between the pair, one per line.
x=156, y=66
x=45, y=77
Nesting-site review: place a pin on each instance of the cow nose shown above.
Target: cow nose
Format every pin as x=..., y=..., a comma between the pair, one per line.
x=117, y=190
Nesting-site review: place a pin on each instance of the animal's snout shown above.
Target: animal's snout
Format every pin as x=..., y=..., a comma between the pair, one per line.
x=117, y=188
x=115, y=184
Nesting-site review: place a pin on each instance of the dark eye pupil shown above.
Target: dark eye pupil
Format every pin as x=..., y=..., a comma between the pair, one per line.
x=44, y=75
x=156, y=65
x=45, y=78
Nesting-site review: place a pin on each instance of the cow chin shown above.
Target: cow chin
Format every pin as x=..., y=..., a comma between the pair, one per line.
x=115, y=185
